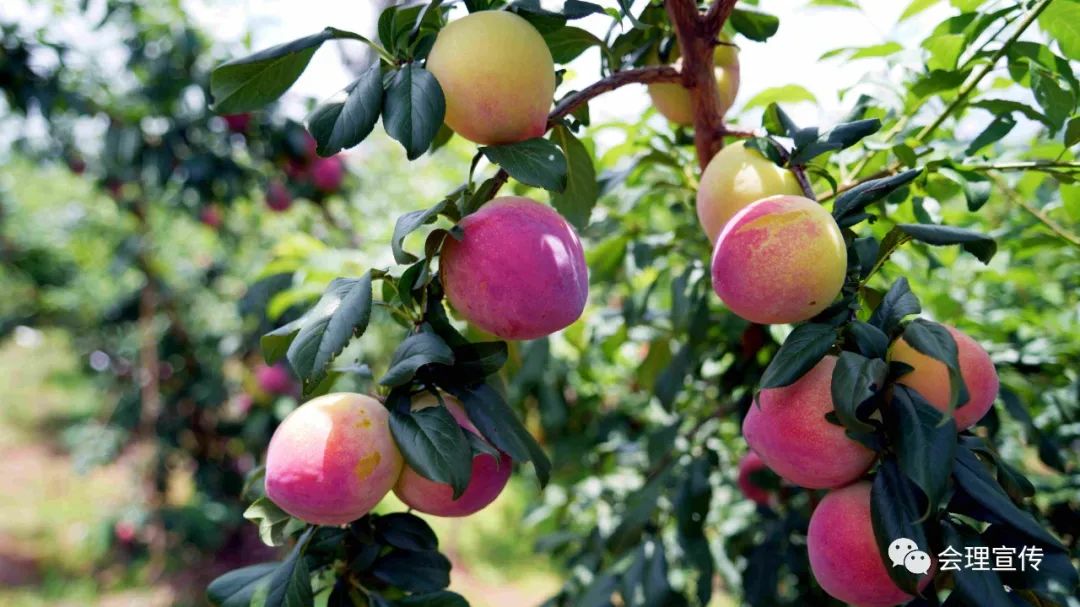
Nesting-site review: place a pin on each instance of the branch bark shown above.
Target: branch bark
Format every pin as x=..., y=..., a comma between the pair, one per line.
x=643, y=75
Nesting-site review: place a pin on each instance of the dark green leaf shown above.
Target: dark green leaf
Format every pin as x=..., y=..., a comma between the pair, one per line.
x=567, y=43
x=237, y=588
x=754, y=25
x=872, y=342
x=442, y=598
x=976, y=187
x=842, y=136
x=405, y=531
x=409, y=223
x=413, y=109
x=972, y=477
x=977, y=586
x=413, y=571
x=925, y=438
x=895, y=514
x=576, y=202
x=980, y=245
x=803, y=349
x=434, y=445
x=342, y=313
x=536, y=162
x=275, y=344
x=252, y=82
x=852, y=202
x=897, y=304
x=935, y=341
x=998, y=128
x=417, y=350
x=342, y=124
x=856, y=379
x=291, y=584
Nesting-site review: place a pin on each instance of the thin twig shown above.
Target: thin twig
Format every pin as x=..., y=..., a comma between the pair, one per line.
x=1035, y=212
x=643, y=75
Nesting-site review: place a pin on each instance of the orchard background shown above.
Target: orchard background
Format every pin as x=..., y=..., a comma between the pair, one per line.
x=200, y=231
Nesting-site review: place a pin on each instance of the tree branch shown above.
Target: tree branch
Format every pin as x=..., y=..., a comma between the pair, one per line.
x=1035, y=212
x=642, y=75
x=697, y=37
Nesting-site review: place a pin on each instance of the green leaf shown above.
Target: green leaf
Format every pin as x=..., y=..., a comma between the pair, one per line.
x=342, y=124
x=342, y=313
x=1057, y=102
x=972, y=477
x=924, y=438
x=1062, y=21
x=856, y=379
x=473, y=362
x=916, y=7
x=1072, y=132
x=576, y=202
x=935, y=341
x=413, y=571
x=252, y=82
x=776, y=122
x=998, y=128
x=536, y=162
x=980, y=587
x=237, y=588
x=497, y=423
x=838, y=138
x=944, y=50
x=884, y=49
x=271, y=520
x=850, y=204
x=413, y=108
x=434, y=445
x=980, y=245
x=405, y=531
x=291, y=584
x=417, y=350
x=275, y=344
x=803, y=349
x=998, y=107
x=567, y=43
x=894, y=514
x=976, y=186
x=897, y=304
x=788, y=93
x=872, y=341
x=409, y=223
x=754, y=25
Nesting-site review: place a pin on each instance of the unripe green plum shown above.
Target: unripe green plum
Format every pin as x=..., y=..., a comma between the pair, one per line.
x=780, y=260
x=497, y=75
x=489, y=475
x=844, y=555
x=518, y=271
x=930, y=377
x=734, y=178
x=673, y=101
x=332, y=459
x=788, y=429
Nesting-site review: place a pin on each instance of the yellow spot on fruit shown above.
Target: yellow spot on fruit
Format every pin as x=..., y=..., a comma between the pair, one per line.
x=367, y=465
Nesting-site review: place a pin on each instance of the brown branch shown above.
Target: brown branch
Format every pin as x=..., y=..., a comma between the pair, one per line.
x=642, y=75
x=697, y=36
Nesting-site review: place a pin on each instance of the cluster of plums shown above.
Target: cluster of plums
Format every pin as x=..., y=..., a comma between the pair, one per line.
x=518, y=272
x=333, y=459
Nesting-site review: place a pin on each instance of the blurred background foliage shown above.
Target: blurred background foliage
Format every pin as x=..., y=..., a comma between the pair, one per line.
x=639, y=403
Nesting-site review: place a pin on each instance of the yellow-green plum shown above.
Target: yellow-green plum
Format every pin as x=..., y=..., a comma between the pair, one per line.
x=497, y=75
x=787, y=428
x=930, y=377
x=734, y=178
x=781, y=259
x=489, y=475
x=844, y=555
x=332, y=459
x=518, y=271
x=672, y=99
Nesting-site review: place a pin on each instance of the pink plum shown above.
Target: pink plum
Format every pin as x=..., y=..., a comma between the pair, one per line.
x=489, y=476
x=327, y=174
x=519, y=270
x=210, y=216
x=844, y=555
x=275, y=379
x=332, y=459
x=238, y=123
x=788, y=429
x=930, y=377
x=779, y=260
x=748, y=466
x=278, y=197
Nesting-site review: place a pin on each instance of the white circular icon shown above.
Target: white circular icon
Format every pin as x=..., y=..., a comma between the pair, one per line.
x=917, y=562
x=899, y=549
